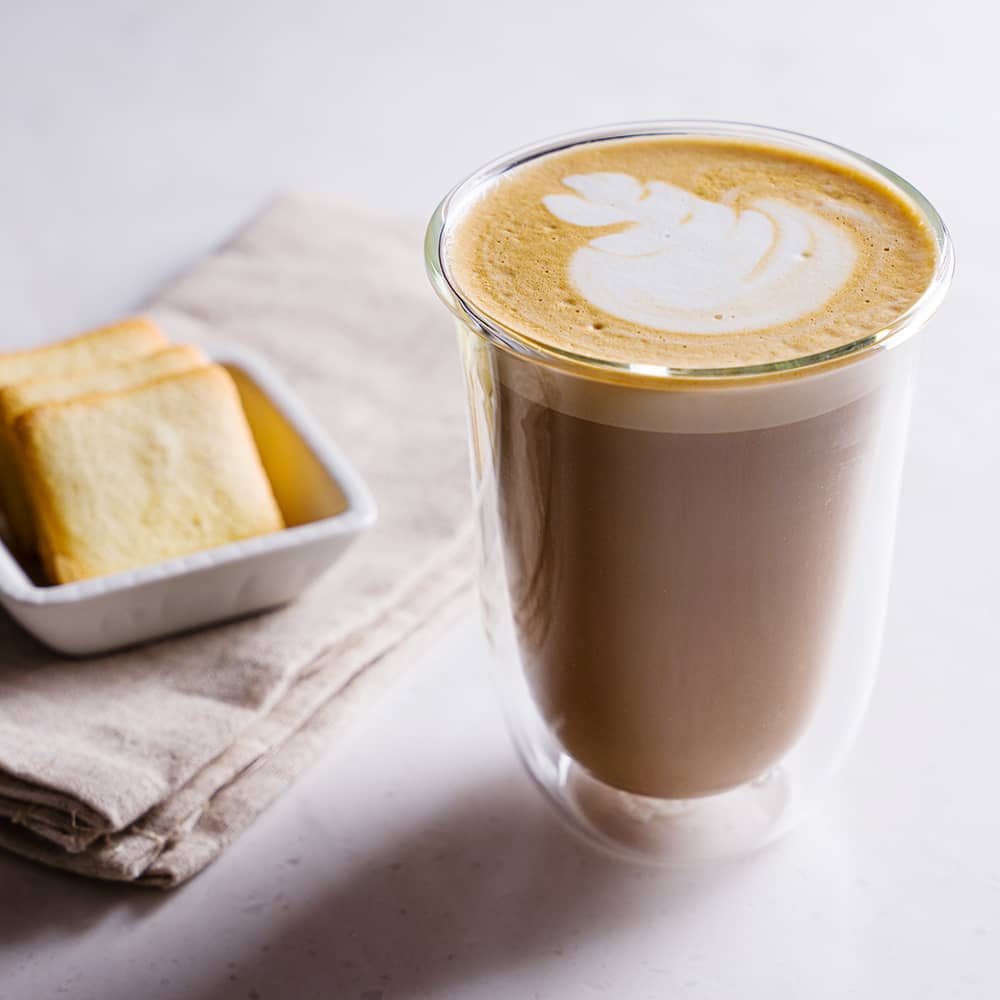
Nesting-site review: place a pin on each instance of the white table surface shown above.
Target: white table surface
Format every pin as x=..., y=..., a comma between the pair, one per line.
x=416, y=860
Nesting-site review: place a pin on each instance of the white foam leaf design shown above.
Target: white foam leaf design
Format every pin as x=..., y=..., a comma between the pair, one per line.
x=689, y=264
x=570, y=208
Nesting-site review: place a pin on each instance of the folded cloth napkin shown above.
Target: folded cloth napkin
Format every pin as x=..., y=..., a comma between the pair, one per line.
x=142, y=766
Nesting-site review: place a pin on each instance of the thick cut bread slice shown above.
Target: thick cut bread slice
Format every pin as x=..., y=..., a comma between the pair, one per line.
x=24, y=396
x=122, y=480
x=110, y=345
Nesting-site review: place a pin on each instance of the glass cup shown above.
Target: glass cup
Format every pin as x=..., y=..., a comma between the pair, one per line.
x=684, y=572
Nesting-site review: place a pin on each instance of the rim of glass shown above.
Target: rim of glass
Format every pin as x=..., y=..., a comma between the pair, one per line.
x=900, y=329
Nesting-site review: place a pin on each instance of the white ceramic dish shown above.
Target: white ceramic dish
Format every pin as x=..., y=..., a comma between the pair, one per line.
x=325, y=503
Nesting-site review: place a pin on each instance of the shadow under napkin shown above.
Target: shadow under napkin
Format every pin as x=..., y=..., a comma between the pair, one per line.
x=41, y=904
x=144, y=765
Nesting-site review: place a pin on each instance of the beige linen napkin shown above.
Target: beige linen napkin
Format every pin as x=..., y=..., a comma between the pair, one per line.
x=142, y=766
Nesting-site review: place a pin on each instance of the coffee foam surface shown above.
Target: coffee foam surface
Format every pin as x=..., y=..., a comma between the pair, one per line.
x=690, y=252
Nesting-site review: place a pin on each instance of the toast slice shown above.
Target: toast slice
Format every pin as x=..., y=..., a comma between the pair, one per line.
x=24, y=396
x=110, y=345
x=125, y=479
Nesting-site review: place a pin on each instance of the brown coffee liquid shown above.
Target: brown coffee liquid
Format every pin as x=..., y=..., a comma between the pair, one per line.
x=674, y=594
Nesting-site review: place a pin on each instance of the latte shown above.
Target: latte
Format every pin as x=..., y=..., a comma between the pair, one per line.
x=692, y=569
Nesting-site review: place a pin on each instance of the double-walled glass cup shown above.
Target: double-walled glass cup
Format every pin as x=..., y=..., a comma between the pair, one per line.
x=684, y=572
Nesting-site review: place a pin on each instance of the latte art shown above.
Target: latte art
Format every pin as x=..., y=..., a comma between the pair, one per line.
x=689, y=252
x=689, y=264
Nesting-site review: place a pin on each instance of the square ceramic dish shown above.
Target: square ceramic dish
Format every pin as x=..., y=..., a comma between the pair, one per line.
x=324, y=501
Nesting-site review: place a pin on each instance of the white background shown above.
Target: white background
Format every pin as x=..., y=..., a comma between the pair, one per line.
x=416, y=860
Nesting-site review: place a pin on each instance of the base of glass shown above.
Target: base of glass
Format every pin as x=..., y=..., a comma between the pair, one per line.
x=672, y=833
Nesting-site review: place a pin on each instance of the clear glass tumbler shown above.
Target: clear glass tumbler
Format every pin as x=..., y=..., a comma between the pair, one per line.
x=684, y=572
